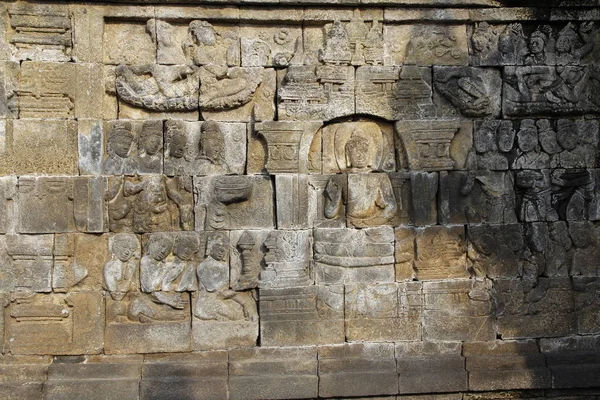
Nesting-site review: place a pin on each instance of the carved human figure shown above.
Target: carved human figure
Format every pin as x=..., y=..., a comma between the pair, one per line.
x=153, y=269
x=530, y=156
x=483, y=37
x=573, y=154
x=534, y=197
x=572, y=46
x=180, y=274
x=486, y=145
x=537, y=46
x=371, y=200
x=119, y=206
x=120, y=270
x=572, y=193
x=211, y=149
x=547, y=137
x=337, y=45
x=357, y=152
x=215, y=301
x=120, y=140
x=511, y=43
x=465, y=89
x=204, y=45
x=148, y=159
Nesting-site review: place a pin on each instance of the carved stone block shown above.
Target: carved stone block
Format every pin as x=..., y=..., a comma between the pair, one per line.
x=477, y=196
x=371, y=200
x=94, y=377
x=527, y=308
x=234, y=202
x=307, y=201
x=53, y=90
x=467, y=91
x=40, y=32
x=427, y=44
x=8, y=204
x=90, y=141
x=121, y=268
x=424, y=188
x=316, y=93
x=360, y=369
x=23, y=376
x=383, y=312
x=495, y=251
x=136, y=324
x=572, y=360
x=237, y=94
x=502, y=365
x=270, y=46
x=426, y=367
x=587, y=301
x=247, y=252
x=282, y=147
x=9, y=78
x=310, y=315
x=441, y=253
x=34, y=146
x=204, y=148
x=433, y=145
x=394, y=92
x=573, y=194
x=54, y=323
x=69, y=203
x=190, y=376
x=550, y=90
x=287, y=260
x=274, y=373
x=154, y=91
x=349, y=255
x=128, y=43
x=458, y=310
x=27, y=263
x=405, y=253
x=357, y=147
x=150, y=203
x=500, y=44
x=133, y=147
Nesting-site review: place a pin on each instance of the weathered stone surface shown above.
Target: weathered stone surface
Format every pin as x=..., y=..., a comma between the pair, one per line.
x=94, y=377
x=501, y=365
x=133, y=147
x=426, y=367
x=424, y=189
x=9, y=78
x=467, y=91
x=572, y=360
x=586, y=303
x=360, y=369
x=458, y=310
x=204, y=148
x=358, y=147
x=433, y=145
x=273, y=373
x=371, y=200
x=70, y=204
x=90, y=141
x=302, y=316
x=282, y=147
x=347, y=255
x=383, y=312
x=476, y=197
x=542, y=308
x=427, y=44
x=287, y=259
x=270, y=46
x=34, y=146
x=230, y=202
x=393, y=92
x=40, y=32
x=121, y=269
x=190, y=376
x=237, y=94
x=53, y=90
x=495, y=251
x=150, y=203
x=307, y=201
x=27, y=263
x=70, y=323
x=22, y=377
x=136, y=324
x=316, y=93
x=440, y=253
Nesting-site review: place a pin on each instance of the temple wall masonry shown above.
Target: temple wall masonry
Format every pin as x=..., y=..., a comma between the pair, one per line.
x=299, y=200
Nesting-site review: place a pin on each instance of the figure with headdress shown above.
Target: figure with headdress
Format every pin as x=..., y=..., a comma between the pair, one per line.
x=149, y=157
x=119, y=147
x=211, y=150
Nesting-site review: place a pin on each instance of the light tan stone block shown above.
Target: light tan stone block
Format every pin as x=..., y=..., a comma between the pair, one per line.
x=127, y=43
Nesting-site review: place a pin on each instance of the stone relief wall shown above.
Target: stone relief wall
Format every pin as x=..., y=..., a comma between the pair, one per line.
x=297, y=202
